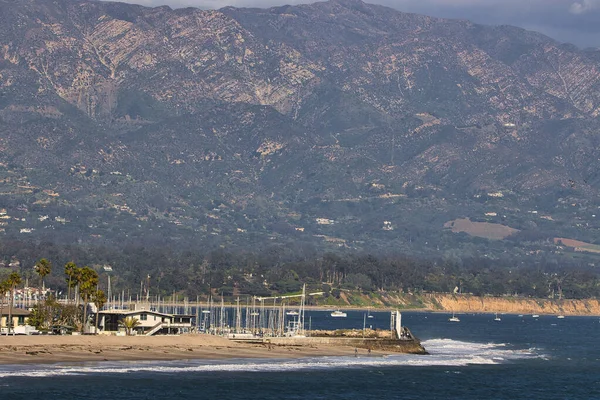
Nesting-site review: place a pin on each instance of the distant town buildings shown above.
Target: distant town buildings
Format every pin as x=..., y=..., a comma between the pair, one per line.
x=325, y=221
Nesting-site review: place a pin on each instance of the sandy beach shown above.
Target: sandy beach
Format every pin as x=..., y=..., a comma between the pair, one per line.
x=53, y=349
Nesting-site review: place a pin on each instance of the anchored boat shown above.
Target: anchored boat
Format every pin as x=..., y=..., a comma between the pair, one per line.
x=453, y=318
x=339, y=314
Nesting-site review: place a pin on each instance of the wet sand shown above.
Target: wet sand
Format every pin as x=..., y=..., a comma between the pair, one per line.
x=54, y=349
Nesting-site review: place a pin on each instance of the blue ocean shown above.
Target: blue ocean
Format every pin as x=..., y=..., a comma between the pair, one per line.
x=519, y=357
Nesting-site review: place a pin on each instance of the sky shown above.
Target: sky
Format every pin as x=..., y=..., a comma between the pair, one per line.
x=571, y=21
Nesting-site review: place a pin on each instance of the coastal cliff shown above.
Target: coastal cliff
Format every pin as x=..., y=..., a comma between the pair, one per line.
x=470, y=303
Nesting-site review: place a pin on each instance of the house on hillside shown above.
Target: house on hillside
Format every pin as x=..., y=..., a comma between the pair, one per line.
x=150, y=322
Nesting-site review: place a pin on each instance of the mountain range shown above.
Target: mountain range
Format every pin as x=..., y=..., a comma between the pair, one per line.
x=337, y=124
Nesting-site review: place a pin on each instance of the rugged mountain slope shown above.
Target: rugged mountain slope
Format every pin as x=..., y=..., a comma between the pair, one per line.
x=338, y=121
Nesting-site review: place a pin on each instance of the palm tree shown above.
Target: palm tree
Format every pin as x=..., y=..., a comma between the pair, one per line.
x=14, y=279
x=130, y=323
x=77, y=280
x=71, y=272
x=99, y=299
x=42, y=268
x=4, y=288
x=88, y=282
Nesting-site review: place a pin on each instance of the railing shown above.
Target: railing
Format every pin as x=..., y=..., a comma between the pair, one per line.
x=155, y=329
x=168, y=324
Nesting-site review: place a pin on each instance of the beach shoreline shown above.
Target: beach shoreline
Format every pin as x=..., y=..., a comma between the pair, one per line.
x=51, y=349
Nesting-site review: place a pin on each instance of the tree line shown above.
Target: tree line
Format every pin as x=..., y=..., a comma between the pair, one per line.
x=48, y=312
x=138, y=271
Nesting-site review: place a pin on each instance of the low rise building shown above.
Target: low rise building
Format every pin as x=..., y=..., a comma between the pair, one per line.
x=149, y=322
x=19, y=320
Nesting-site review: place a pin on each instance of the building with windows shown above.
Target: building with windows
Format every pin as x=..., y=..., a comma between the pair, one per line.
x=19, y=318
x=149, y=322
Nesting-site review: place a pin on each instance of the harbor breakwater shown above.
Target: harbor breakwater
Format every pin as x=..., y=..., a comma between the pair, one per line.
x=377, y=340
x=412, y=346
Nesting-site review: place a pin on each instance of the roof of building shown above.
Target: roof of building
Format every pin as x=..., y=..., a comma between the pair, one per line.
x=15, y=311
x=134, y=312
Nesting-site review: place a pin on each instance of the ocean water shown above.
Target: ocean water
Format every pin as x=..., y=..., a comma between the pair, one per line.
x=477, y=358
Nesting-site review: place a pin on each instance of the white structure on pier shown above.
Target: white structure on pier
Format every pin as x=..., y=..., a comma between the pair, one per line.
x=396, y=324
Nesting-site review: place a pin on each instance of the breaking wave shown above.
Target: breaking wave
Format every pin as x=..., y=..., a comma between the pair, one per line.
x=443, y=352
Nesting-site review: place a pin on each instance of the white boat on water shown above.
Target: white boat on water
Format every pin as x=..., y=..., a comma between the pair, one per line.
x=535, y=316
x=339, y=314
x=453, y=318
x=292, y=313
x=561, y=317
x=498, y=319
x=369, y=313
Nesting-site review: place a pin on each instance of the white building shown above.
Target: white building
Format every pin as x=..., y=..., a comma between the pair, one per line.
x=150, y=322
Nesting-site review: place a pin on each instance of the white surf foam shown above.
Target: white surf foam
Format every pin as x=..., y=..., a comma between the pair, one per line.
x=443, y=352
x=465, y=353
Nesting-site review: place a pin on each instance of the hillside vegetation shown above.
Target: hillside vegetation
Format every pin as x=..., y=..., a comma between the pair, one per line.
x=337, y=125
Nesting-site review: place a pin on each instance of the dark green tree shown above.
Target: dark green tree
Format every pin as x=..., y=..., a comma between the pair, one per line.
x=43, y=267
x=14, y=280
x=88, y=283
x=71, y=271
x=99, y=300
x=4, y=288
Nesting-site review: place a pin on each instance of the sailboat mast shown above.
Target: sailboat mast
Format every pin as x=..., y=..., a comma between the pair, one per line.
x=222, y=314
x=301, y=317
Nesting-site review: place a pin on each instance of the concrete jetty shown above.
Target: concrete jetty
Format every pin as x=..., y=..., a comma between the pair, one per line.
x=381, y=340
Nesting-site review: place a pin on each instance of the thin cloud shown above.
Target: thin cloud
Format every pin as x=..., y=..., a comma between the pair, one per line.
x=584, y=6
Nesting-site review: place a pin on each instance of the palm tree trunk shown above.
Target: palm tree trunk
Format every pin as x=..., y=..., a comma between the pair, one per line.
x=9, y=323
x=97, y=313
x=84, y=314
x=69, y=291
x=1, y=309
